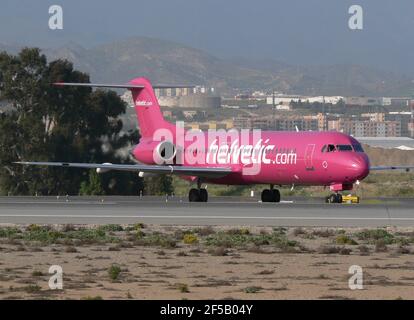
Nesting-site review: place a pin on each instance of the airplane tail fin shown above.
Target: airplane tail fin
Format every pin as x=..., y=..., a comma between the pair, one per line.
x=146, y=104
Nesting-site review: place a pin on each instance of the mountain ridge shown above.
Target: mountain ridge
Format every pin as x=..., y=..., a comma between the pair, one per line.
x=169, y=62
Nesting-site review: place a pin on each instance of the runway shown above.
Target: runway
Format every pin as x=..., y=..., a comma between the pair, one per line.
x=218, y=211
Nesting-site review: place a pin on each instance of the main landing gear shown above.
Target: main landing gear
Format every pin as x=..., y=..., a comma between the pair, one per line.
x=199, y=194
x=334, y=198
x=270, y=195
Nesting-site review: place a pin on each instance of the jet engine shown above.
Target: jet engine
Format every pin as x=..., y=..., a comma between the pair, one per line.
x=103, y=170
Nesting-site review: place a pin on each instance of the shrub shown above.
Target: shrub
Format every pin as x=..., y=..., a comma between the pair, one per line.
x=329, y=249
x=376, y=234
x=344, y=239
x=183, y=288
x=139, y=234
x=403, y=250
x=242, y=231
x=33, y=228
x=205, y=231
x=345, y=251
x=380, y=246
x=32, y=288
x=9, y=232
x=219, y=251
x=68, y=227
x=252, y=289
x=139, y=226
x=37, y=273
x=92, y=298
x=222, y=239
x=157, y=239
x=298, y=231
x=111, y=228
x=190, y=239
x=326, y=233
x=363, y=249
x=114, y=271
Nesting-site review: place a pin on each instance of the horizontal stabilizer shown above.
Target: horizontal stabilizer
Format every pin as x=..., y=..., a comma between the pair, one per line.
x=99, y=85
x=118, y=86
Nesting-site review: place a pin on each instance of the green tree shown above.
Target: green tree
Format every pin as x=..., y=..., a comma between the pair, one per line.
x=158, y=185
x=93, y=187
x=49, y=123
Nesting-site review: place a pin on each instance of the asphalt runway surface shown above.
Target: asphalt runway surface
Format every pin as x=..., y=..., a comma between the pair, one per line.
x=218, y=211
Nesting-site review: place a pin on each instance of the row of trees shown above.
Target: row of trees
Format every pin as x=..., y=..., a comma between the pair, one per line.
x=72, y=124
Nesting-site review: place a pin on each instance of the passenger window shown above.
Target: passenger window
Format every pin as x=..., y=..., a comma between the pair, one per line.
x=344, y=147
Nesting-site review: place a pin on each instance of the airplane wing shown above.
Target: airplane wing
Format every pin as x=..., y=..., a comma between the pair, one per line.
x=205, y=172
x=378, y=168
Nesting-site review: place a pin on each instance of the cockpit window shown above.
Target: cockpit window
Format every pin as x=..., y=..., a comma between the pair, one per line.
x=358, y=148
x=344, y=147
x=330, y=148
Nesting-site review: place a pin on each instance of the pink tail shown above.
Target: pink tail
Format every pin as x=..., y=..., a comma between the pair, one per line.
x=147, y=108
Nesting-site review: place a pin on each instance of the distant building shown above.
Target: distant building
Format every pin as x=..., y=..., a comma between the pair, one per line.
x=377, y=101
x=360, y=128
x=362, y=101
x=282, y=99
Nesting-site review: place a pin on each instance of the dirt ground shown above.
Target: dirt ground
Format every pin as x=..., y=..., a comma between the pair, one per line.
x=206, y=263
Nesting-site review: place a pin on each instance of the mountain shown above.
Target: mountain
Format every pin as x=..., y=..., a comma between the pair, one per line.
x=172, y=63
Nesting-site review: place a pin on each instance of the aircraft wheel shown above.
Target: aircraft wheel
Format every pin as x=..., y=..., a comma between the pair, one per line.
x=275, y=195
x=203, y=195
x=335, y=198
x=332, y=198
x=267, y=195
x=194, y=195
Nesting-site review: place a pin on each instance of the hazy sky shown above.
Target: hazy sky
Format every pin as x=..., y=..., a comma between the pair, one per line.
x=304, y=32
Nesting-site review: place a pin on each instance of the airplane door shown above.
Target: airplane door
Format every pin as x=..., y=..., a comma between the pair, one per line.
x=310, y=149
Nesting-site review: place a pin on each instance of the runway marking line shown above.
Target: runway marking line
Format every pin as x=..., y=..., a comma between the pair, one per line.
x=198, y=217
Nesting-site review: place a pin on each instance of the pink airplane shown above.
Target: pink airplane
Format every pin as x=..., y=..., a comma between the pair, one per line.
x=275, y=158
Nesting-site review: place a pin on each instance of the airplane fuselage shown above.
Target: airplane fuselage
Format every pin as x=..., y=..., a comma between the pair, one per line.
x=274, y=157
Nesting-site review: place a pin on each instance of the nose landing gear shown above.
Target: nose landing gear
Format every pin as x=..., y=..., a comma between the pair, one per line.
x=334, y=198
x=270, y=195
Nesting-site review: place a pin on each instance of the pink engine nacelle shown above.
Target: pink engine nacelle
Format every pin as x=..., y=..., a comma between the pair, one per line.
x=155, y=152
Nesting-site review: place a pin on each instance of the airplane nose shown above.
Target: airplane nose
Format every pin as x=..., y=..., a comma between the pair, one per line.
x=360, y=166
